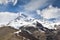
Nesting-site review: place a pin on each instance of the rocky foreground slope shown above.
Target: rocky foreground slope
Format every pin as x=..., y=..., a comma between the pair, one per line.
x=30, y=33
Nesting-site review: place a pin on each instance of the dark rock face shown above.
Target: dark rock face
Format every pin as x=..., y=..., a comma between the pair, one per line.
x=27, y=35
x=33, y=33
x=39, y=25
x=41, y=33
x=58, y=32
x=29, y=28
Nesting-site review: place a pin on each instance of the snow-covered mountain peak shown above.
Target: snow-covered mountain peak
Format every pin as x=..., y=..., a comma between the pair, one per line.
x=23, y=17
x=21, y=20
x=20, y=16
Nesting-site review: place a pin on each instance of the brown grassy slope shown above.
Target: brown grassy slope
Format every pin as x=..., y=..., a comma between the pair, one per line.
x=40, y=35
x=6, y=33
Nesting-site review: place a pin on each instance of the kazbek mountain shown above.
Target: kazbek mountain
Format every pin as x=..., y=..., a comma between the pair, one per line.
x=23, y=19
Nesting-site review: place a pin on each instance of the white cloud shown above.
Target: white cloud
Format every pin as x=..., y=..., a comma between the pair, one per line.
x=7, y=16
x=15, y=2
x=34, y=4
x=3, y=1
x=50, y=12
x=7, y=1
x=38, y=12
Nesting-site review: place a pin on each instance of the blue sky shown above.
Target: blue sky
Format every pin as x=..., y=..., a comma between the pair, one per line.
x=20, y=5
x=30, y=6
x=56, y=3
